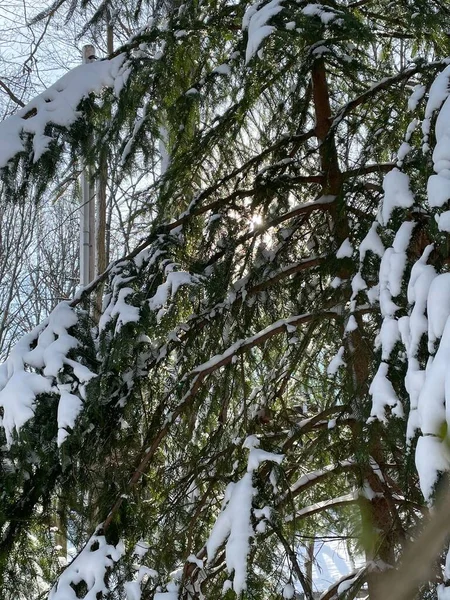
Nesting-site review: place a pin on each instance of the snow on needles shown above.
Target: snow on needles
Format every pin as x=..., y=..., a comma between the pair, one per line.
x=90, y=566
x=427, y=380
x=439, y=185
x=234, y=522
x=35, y=366
x=255, y=22
x=396, y=193
x=58, y=105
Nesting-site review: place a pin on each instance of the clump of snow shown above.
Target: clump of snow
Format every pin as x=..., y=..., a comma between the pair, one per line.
x=233, y=525
x=371, y=242
x=325, y=13
x=222, y=69
x=421, y=278
x=358, y=284
x=257, y=456
x=141, y=549
x=438, y=188
x=443, y=221
x=336, y=282
x=336, y=362
x=255, y=22
x=57, y=105
x=443, y=592
x=69, y=407
x=397, y=193
x=174, y=280
x=438, y=307
x=402, y=152
x=345, y=585
x=125, y=313
x=351, y=324
x=432, y=458
x=345, y=250
x=91, y=566
x=417, y=94
x=403, y=236
x=391, y=271
x=387, y=338
x=133, y=588
x=20, y=384
x=383, y=396
x=438, y=93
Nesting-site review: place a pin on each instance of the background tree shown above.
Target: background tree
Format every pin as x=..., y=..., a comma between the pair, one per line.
x=197, y=420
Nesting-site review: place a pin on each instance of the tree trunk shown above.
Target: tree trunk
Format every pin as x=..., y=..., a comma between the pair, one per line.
x=378, y=532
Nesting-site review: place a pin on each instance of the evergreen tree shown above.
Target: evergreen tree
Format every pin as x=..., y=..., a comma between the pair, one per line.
x=228, y=402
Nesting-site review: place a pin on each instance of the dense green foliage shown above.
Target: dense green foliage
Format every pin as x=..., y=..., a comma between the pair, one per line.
x=230, y=277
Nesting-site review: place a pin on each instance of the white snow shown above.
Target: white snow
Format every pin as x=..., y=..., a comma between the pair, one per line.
x=133, y=588
x=69, y=407
x=371, y=242
x=336, y=362
x=403, y=236
x=438, y=188
x=402, y=152
x=438, y=307
x=336, y=282
x=397, y=193
x=255, y=21
x=392, y=267
x=434, y=398
x=358, y=284
x=57, y=105
x=141, y=549
x=90, y=566
x=432, y=458
x=307, y=478
x=20, y=385
x=417, y=94
x=421, y=278
x=441, y=153
x=248, y=341
x=257, y=456
x=383, y=396
x=443, y=593
x=443, y=221
x=233, y=525
x=325, y=13
x=351, y=324
x=174, y=280
x=345, y=250
x=373, y=294
x=18, y=397
x=438, y=93
x=344, y=586
x=389, y=276
x=222, y=69
x=387, y=338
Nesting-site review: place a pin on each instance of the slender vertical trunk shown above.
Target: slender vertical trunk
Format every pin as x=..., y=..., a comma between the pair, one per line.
x=87, y=212
x=101, y=229
x=102, y=239
x=61, y=533
x=378, y=533
x=309, y=564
